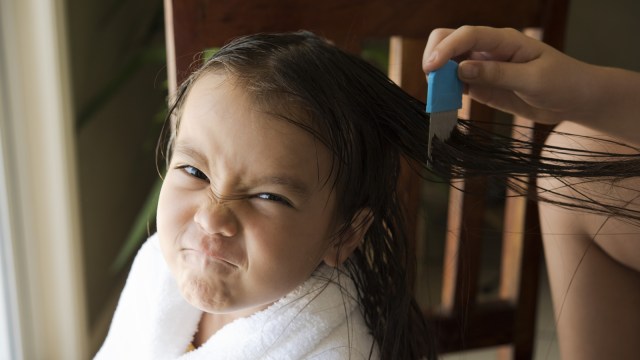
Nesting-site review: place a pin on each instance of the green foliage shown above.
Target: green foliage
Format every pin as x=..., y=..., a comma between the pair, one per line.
x=146, y=38
x=376, y=52
x=208, y=53
x=147, y=55
x=140, y=229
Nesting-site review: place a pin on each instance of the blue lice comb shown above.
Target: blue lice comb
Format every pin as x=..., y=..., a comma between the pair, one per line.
x=444, y=98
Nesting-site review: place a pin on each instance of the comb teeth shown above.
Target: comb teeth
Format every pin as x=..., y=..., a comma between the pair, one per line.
x=441, y=126
x=443, y=101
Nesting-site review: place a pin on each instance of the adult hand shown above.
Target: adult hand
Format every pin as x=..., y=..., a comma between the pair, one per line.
x=510, y=71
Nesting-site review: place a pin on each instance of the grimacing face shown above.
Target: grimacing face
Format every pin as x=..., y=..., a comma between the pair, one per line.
x=245, y=213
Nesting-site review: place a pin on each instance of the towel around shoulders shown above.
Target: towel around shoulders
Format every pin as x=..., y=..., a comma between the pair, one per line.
x=321, y=319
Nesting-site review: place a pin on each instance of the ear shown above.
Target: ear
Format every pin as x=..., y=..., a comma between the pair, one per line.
x=342, y=248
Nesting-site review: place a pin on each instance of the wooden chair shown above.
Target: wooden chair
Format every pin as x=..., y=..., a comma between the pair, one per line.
x=461, y=322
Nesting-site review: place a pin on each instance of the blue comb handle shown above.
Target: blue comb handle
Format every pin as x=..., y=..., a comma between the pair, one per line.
x=445, y=89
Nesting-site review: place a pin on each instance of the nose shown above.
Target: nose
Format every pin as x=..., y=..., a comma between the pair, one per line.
x=216, y=218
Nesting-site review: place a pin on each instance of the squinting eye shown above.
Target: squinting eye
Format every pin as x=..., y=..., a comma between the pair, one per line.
x=195, y=172
x=272, y=197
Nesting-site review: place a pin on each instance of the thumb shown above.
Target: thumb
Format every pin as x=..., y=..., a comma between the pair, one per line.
x=503, y=75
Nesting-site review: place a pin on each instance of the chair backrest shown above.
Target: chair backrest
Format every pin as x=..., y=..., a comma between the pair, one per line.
x=461, y=323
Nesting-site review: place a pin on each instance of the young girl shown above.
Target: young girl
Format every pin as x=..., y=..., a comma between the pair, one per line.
x=280, y=232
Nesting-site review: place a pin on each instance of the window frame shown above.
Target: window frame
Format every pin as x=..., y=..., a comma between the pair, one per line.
x=43, y=297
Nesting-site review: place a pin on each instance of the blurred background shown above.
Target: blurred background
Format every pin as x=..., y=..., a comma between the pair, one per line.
x=83, y=97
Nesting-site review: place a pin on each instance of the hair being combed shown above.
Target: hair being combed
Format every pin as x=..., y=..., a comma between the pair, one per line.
x=369, y=125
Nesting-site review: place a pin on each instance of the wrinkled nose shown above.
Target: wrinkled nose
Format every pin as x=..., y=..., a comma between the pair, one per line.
x=217, y=218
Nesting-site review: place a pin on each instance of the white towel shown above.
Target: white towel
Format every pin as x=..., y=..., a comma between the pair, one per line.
x=315, y=321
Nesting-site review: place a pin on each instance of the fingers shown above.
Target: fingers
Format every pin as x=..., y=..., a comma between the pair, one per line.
x=506, y=69
x=503, y=75
x=508, y=101
x=430, y=59
x=497, y=44
x=496, y=98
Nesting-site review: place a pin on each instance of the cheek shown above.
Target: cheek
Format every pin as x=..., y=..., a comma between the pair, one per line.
x=174, y=213
x=174, y=205
x=288, y=245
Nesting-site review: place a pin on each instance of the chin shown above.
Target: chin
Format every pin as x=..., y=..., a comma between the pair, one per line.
x=205, y=293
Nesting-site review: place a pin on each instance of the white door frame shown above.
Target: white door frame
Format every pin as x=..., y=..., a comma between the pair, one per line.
x=41, y=269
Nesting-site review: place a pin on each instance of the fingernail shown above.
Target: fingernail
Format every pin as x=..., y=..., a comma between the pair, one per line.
x=469, y=71
x=431, y=57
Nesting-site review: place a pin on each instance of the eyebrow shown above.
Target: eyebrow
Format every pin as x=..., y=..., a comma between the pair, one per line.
x=189, y=151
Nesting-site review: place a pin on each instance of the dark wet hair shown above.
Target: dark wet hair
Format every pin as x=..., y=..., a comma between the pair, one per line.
x=369, y=125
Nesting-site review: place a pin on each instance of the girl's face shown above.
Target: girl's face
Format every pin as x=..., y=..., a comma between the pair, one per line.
x=245, y=213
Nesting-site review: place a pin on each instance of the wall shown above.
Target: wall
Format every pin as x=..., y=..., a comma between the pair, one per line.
x=605, y=32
